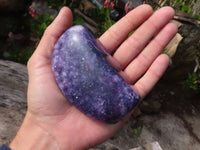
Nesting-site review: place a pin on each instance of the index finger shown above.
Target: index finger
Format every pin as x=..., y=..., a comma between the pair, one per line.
x=116, y=34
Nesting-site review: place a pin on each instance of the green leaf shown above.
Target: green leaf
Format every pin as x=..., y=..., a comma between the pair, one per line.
x=197, y=17
x=78, y=21
x=137, y=131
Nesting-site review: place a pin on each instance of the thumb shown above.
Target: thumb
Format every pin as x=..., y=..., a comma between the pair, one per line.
x=45, y=48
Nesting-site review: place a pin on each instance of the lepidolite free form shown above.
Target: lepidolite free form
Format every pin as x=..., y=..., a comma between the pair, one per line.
x=87, y=80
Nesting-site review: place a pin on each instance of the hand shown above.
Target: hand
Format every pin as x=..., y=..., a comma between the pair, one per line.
x=51, y=121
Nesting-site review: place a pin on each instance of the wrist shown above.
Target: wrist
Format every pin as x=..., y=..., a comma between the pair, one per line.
x=31, y=136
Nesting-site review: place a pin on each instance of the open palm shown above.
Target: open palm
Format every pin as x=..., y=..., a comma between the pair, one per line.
x=138, y=56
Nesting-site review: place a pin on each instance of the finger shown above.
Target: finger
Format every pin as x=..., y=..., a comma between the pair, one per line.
x=144, y=85
x=62, y=22
x=138, y=40
x=113, y=37
x=142, y=62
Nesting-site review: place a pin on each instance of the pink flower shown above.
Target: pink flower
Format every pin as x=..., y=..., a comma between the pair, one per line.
x=32, y=11
x=109, y=3
x=11, y=35
x=128, y=7
x=106, y=4
x=112, y=5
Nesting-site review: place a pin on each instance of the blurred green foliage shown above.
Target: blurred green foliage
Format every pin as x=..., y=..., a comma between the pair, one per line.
x=182, y=6
x=78, y=20
x=193, y=81
x=56, y=4
x=197, y=17
x=102, y=17
x=108, y=23
x=18, y=54
x=165, y=52
x=40, y=23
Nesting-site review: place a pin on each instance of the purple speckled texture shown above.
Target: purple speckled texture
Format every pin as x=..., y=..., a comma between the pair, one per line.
x=87, y=80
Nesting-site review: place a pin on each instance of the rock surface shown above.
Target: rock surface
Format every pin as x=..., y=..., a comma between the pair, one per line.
x=150, y=146
x=166, y=128
x=13, y=86
x=196, y=7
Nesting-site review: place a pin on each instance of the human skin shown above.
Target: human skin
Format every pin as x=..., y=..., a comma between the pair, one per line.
x=51, y=122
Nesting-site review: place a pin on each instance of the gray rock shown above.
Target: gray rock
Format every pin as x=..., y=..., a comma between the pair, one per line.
x=168, y=129
x=196, y=7
x=151, y=146
x=13, y=86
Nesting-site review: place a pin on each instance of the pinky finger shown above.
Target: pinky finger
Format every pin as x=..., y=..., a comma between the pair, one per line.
x=144, y=85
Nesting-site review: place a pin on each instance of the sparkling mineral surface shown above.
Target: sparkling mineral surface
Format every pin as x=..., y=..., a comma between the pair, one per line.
x=87, y=80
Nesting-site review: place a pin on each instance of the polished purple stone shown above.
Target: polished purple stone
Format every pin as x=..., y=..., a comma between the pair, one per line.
x=87, y=80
